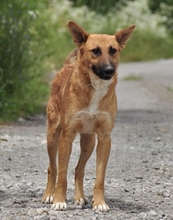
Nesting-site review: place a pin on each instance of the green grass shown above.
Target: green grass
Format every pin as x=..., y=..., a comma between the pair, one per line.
x=132, y=77
x=169, y=88
x=145, y=47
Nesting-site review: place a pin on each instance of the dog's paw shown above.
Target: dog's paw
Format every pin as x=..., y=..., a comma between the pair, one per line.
x=48, y=199
x=101, y=208
x=59, y=206
x=82, y=201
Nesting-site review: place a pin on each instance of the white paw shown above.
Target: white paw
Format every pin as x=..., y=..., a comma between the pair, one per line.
x=49, y=199
x=101, y=208
x=59, y=206
x=82, y=201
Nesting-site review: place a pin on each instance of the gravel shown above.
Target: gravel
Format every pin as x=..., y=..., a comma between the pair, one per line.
x=139, y=182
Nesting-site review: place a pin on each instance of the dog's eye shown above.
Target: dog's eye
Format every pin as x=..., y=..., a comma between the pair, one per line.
x=112, y=51
x=96, y=51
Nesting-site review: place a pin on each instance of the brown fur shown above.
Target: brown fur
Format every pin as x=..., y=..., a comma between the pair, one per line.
x=81, y=102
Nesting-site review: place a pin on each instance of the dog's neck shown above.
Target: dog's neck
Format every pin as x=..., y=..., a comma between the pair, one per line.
x=99, y=84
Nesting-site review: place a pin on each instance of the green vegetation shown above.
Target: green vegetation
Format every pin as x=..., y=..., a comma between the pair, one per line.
x=34, y=41
x=132, y=77
x=169, y=88
x=145, y=46
x=100, y=6
x=165, y=8
x=21, y=82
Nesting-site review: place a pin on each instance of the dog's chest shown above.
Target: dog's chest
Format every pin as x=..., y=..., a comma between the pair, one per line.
x=89, y=116
x=95, y=101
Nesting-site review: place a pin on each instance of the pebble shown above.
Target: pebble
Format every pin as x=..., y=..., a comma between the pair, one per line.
x=70, y=215
x=21, y=119
x=156, y=166
x=142, y=216
x=5, y=137
x=126, y=190
x=39, y=217
x=158, y=139
x=152, y=213
x=40, y=211
x=32, y=212
x=23, y=170
x=165, y=193
x=93, y=218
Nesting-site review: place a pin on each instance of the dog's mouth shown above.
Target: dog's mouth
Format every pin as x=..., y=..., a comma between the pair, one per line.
x=104, y=72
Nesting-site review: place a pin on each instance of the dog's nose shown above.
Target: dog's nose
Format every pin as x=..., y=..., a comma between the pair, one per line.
x=109, y=70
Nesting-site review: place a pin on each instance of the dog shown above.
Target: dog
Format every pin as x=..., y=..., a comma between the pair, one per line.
x=83, y=101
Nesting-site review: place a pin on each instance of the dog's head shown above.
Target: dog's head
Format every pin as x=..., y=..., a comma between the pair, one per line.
x=100, y=52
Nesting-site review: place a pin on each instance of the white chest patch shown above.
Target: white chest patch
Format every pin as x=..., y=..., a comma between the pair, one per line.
x=101, y=89
x=94, y=103
x=88, y=116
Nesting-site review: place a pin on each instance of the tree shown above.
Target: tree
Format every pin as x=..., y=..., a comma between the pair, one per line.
x=100, y=6
x=165, y=8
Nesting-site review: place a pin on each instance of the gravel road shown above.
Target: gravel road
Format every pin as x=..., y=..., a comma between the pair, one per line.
x=139, y=182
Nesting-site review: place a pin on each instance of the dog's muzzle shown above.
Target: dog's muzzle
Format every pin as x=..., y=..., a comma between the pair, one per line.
x=104, y=72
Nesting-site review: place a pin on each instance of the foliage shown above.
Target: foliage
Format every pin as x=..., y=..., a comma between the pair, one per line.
x=19, y=58
x=145, y=46
x=135, y=12
x=155, y=5
x=164, y=8
x=100, y=6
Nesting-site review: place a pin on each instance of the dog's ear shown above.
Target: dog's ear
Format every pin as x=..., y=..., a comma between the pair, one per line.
x=123, y=36
x=79, y=35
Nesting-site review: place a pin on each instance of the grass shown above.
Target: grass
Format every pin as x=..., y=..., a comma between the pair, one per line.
x=132, y=77
x=169, y=88
x=145, y=47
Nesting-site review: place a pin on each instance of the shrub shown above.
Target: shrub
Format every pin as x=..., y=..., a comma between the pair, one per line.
x=164, y=8
x=19, y=58
x=100, y=6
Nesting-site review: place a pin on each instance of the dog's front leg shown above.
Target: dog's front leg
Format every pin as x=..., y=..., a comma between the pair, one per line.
x=103, y=151
x=52, y=147
x=64, y=151
x=87, y=143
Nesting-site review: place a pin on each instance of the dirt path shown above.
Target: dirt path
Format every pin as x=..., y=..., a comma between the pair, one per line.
x=139, y=183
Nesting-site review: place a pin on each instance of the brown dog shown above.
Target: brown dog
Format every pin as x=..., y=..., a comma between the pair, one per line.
x=83, y=100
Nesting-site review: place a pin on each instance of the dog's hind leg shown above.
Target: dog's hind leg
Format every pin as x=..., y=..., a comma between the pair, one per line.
x=87, y=143
x=52, y=147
